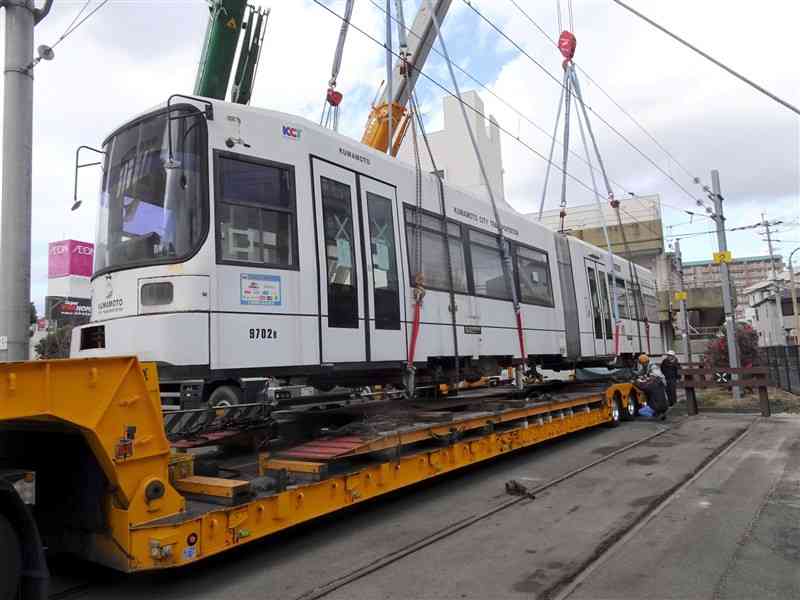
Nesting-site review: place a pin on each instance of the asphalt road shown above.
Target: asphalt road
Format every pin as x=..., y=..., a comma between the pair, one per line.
x=539, y=548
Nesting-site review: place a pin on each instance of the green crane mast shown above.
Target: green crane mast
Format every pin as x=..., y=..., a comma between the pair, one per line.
x=228, y=20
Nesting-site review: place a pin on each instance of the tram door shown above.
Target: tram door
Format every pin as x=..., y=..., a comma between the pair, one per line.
x=360, y=267
x=341, y=264
x=384, y=271
x=601, y=310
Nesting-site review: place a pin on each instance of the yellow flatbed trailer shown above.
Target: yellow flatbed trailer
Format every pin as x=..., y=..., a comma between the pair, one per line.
x=108, y=486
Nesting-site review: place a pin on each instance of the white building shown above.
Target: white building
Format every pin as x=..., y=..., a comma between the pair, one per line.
x=773, y=321
x=453, y=152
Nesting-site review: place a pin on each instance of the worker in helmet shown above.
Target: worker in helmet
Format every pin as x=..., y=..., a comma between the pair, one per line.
x=651, y=381
x=671, y=369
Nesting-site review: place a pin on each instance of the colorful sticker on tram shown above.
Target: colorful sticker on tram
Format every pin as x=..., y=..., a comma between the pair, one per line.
x=292, y=133
x=261, y=290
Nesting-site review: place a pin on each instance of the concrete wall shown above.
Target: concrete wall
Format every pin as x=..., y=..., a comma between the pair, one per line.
x=453, y=151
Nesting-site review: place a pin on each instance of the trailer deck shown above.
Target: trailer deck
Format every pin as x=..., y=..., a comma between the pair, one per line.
x=163, y=509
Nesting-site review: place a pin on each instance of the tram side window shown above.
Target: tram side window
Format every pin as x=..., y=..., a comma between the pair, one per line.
x=386, y=294
x=622, y=300
x=487, y=266
x=340, y=255
x=534, y=277
x=256, y=213
x=434, y=252
x=651, y=308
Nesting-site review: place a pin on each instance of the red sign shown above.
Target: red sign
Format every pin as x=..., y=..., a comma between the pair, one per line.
x=70, y=257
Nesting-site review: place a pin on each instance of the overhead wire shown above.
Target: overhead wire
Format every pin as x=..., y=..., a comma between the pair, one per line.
x=505, y=103
x=446, y=90
x=74, y=26
x=619, y=134
x=74, y=19
x=710, y=58
x=621, y=108
x=504, y=130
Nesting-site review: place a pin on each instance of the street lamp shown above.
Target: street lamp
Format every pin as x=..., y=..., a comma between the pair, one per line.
x=794, y=300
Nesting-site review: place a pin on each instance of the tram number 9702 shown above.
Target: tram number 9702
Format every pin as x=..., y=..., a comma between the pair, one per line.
x=263, y=334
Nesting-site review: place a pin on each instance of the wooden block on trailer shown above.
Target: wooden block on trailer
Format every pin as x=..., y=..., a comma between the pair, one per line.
x=228, y=491
x=308, y=469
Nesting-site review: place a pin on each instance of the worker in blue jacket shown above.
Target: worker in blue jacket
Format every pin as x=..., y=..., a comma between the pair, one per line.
x=651, y=381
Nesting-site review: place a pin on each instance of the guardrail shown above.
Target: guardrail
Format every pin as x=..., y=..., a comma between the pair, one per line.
x=721, y=377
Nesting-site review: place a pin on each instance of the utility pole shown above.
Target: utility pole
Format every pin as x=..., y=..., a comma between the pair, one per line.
x=793, y=285
x=727, y=300
x=15, y=210
x=687, y=345
x=775, y=280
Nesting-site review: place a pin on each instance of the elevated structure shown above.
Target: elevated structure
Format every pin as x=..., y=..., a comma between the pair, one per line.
x=641, y=221
x=453, y=154
x=773, y=319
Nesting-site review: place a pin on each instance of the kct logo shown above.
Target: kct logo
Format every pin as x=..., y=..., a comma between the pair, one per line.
x=292, y=133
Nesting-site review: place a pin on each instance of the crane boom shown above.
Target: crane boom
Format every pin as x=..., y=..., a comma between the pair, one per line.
x=420, y=40
x=226, y=24
x=219, y=48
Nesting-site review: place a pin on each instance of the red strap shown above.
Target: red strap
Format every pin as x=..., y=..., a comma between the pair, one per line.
x=521, y=337
x=414, y=333
x=616, y=338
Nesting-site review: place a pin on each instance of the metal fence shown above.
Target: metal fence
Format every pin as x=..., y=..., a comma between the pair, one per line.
x=784, y=366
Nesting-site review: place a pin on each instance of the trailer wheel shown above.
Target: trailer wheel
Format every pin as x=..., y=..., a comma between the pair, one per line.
x=10, y=560
x=631, y=406
x=225, y=395
x=616, y=411
x=625, y=414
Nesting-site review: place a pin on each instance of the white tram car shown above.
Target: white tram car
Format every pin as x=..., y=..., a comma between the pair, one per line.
x=243, y=243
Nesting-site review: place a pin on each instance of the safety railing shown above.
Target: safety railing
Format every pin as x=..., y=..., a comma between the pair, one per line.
x=722, y=377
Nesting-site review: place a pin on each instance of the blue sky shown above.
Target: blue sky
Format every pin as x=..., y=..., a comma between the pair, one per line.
x=133, y=54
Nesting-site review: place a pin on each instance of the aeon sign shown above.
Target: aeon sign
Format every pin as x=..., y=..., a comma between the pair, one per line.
x=70, y=257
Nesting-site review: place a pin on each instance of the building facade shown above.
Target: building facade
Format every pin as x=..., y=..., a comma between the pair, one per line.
x=744, y=272
x=68, y=301
x=453, y=153
x=773, y=319
x=640, y=239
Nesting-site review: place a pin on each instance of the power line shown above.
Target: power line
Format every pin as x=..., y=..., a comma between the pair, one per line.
x=74, y=26
x=473, y=109
x=599, y=116
x=446, y=90
x=710, y=58
x=607, y=95
x=75, y=18
x=508, y=105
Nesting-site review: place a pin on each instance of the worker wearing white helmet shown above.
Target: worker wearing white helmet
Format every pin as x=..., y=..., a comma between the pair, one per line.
x=671, y=368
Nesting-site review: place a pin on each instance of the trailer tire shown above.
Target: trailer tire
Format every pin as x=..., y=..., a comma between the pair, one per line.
x=616, y=412
x=225, y=395
x=632, y=405
x=10, y=560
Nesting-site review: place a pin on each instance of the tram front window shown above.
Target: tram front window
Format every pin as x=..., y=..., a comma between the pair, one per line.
x=153, y=210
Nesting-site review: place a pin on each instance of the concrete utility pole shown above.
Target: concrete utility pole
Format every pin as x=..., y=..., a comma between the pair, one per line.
x=768, y=225
x=793, y=285
x=687, y=345
x=727, y=300
x=15, y=210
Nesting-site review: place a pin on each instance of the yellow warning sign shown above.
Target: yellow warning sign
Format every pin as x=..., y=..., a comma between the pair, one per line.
x=232, y=24
x=722, y=257
x=681, y=296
